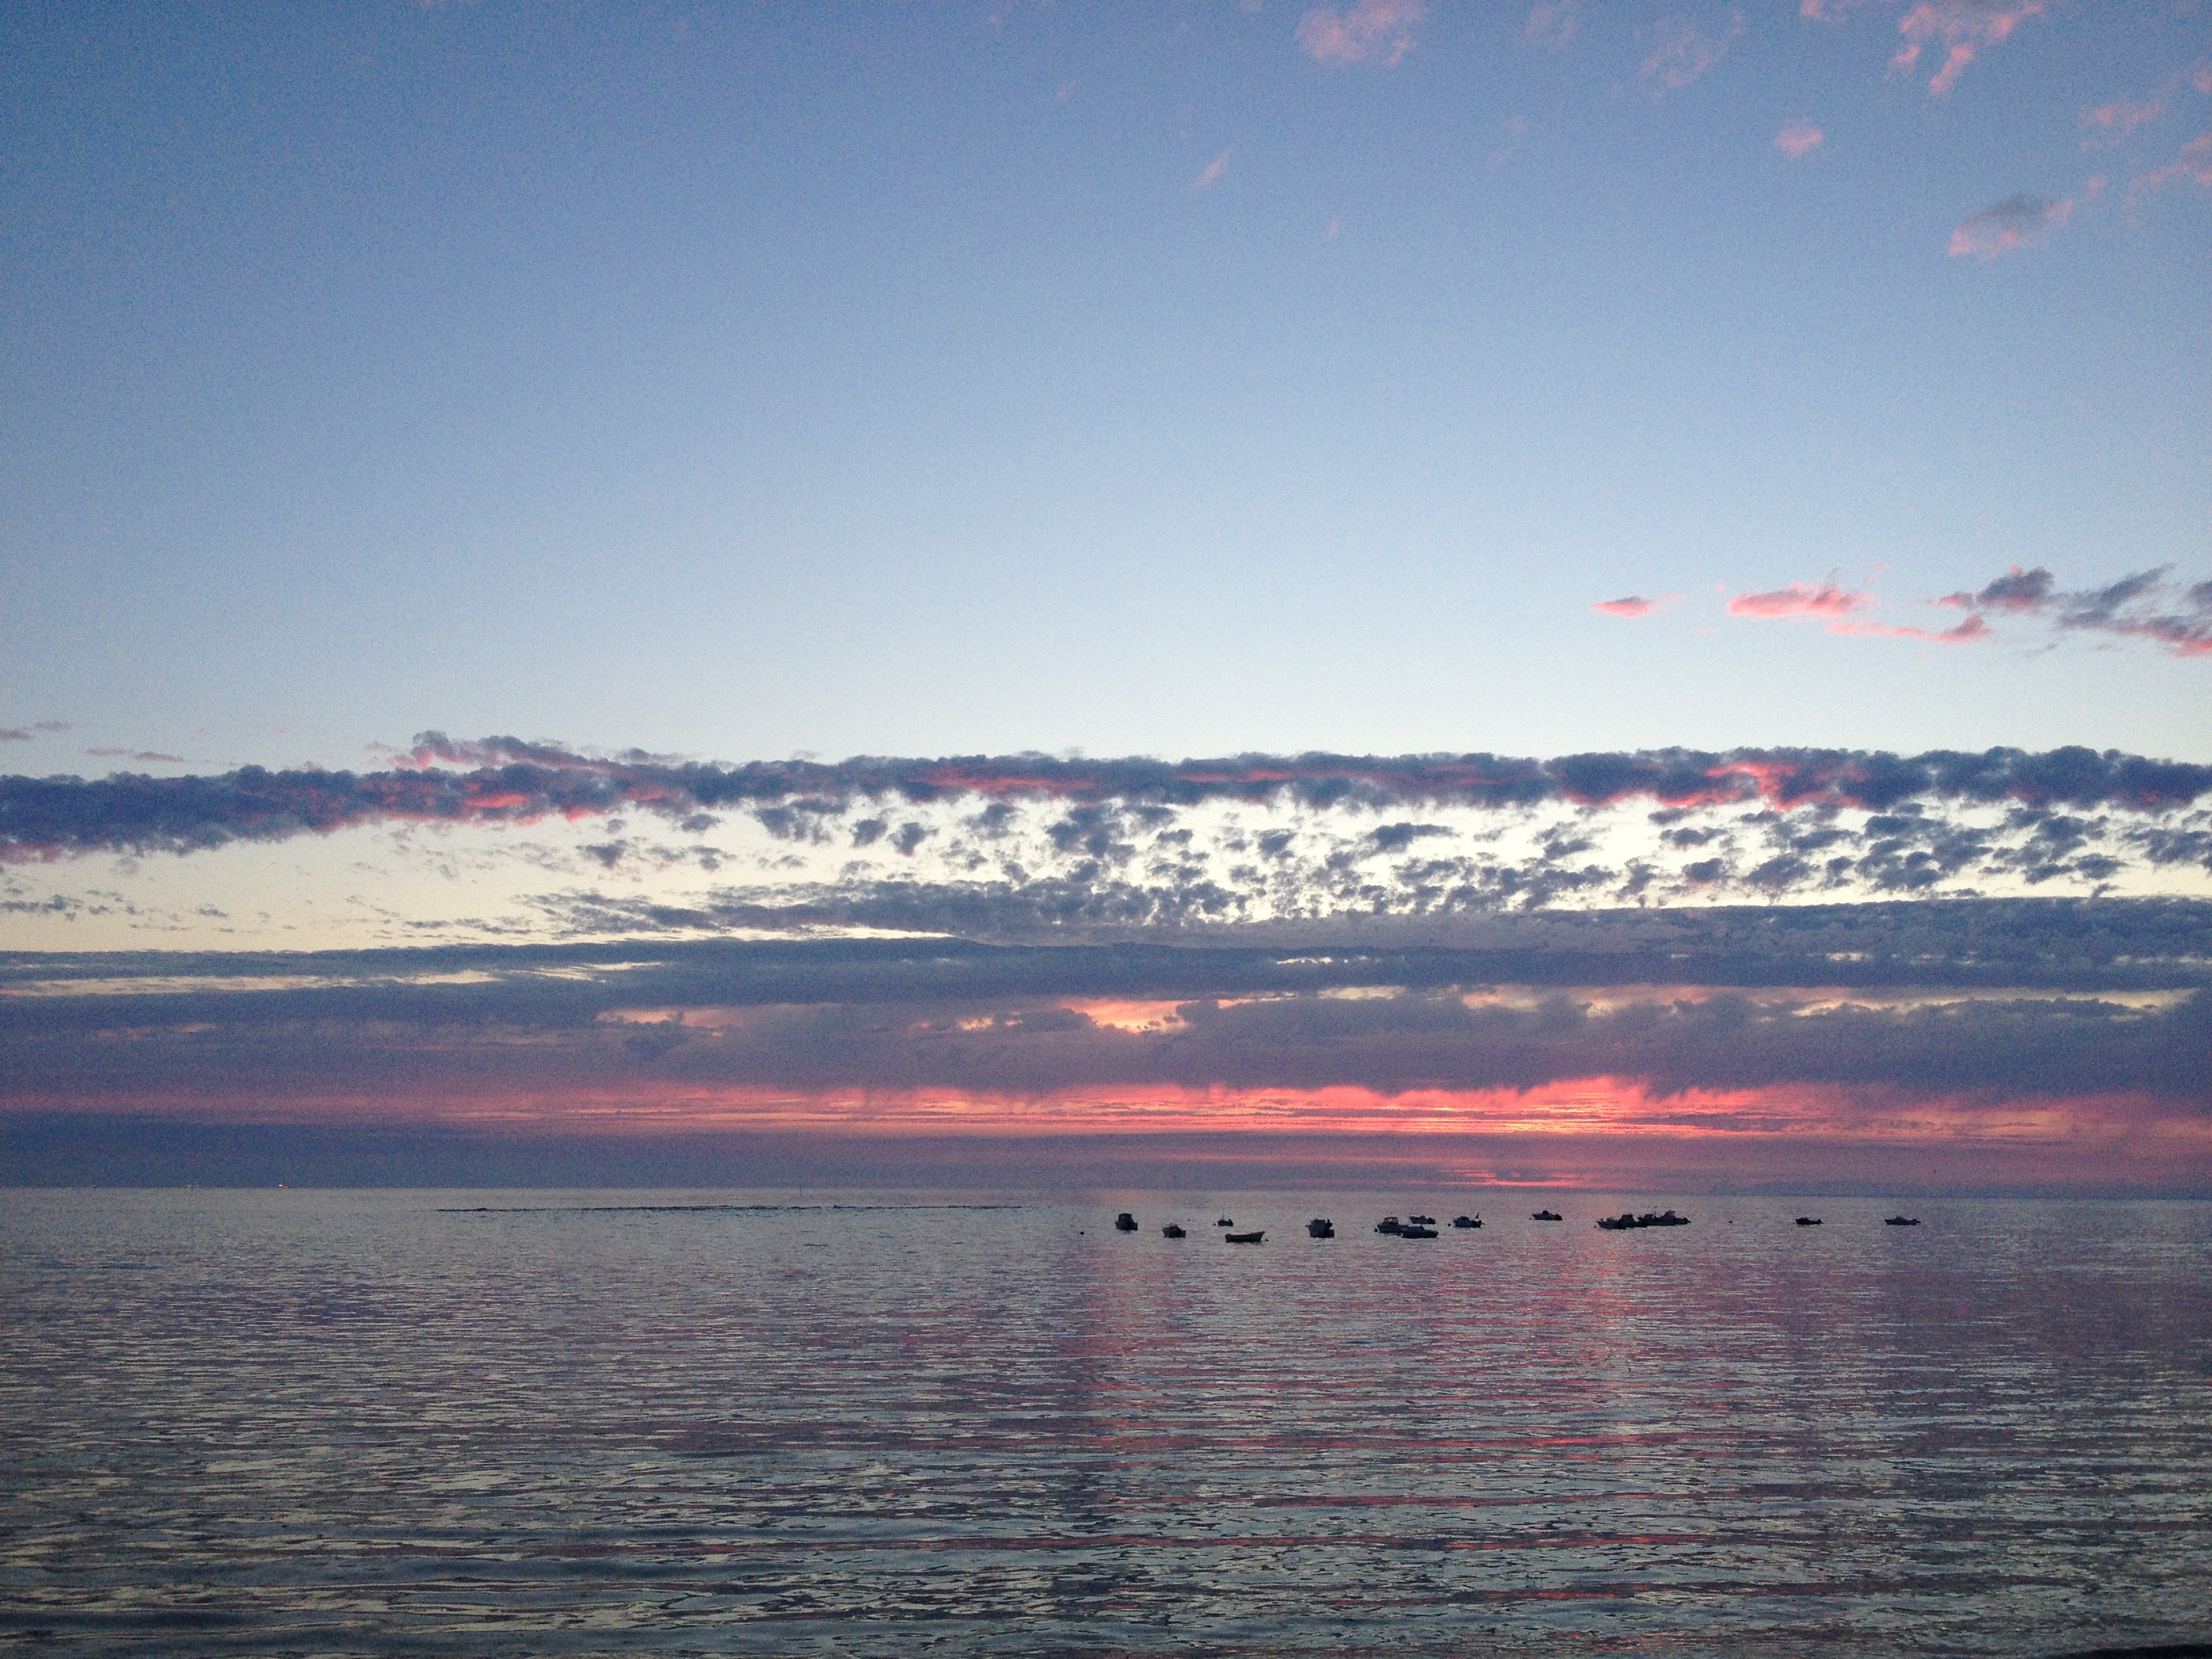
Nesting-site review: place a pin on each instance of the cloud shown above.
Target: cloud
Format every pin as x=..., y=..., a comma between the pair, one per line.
x=1686, y=50
x=1826, y=600
x=2144, y=605
x=1112, y=852
x=2116, y=120
x=1799, y=138
x=1367, y=31
x=2018, y=222
x=1551, y=23
x=2193, y=165
x=1211, y=174
x=1634, y=604
x=15, y=734
x=1962, y=29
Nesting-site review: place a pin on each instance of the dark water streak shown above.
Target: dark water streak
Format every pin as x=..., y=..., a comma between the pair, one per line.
x=754, y=1423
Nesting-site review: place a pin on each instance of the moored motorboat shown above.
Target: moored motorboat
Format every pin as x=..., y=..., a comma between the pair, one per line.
x=1173, y=1231
x=1466, y=1221
x=1901, y=1221
x=1390, y=1224
x=1627, y=1223
x=1321, y=1227
x=1244, y=1238
x=1547, y=1215
x=1808, y=1221
x=1125, y=1223
x=1222, y=1221
x=1420, y=1221
x=1409, y=1230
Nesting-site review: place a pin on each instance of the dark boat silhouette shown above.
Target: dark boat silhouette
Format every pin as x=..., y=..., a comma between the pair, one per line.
x=1409, y=1230
x=1173, y=1231
x=1621, y=1223
x=1808, y=1221
x=1223, y=1221
x=1547, y=1215
x=1244, y=1238
x=1321, y=1227
x=1390, y=1224
x=1901, y=1221
x=1125, y=1223
x=1420, y=1221
x=1464, y=1221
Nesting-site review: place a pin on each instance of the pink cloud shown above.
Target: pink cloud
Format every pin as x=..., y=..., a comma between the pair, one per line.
x=2201, y=79
x=1551, y=23
x=1966, y=633
x=1633, y=605
x=1799, y=138
x=1369, y=30
x=2193, y=165
x=1827, y=600
x=2018, y=222
x=1684, y=52
x=1210, y=175
x=1963, y=28
x=2116, y=120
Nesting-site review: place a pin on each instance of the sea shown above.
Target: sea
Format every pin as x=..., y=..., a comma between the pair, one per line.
x=867, y=1423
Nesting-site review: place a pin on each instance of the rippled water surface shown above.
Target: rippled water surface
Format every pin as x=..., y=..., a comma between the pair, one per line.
x=593, y=1423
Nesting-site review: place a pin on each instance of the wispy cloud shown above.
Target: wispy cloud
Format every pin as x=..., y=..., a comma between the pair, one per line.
x=1828, y=601
x=2110, y=123
x=2146, y=606
x=1961, y=30
x=2193, y=165
x=1553, y=24
x=1211, y=174
x=1371, y=31
x=1634, y=604
x=2018, y=222
x=1799, y=138
x=1685, y=49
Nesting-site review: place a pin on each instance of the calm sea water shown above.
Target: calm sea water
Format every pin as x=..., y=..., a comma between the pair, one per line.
x=525, y=1422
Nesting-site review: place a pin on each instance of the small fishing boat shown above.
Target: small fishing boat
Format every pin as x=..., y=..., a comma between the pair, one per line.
x=1321, y=1227
x=1244, y=1238
x=1466, y=1221
x=1125, y=1223
x=1173, y=1231
x=1390, y=1224
x=1664, y=1219
x=1420, y=1221
x=1547, y=1215
x=1409, y=1230
x=1223, y=1221
x=1901, y=1221
x=1808, y=1221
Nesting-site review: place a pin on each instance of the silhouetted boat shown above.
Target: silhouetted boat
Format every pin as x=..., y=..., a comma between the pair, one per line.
x=1420, y=1221
x=1466, y=1221
x=1125, y=1223
x=1901, y=1221
x=1244, y=1238
x=1390, y=1224
x=1409, y=1230
x=1808, y=1221
x=1223, y=1221
x=1173, y=1231
x=1621, y=1223
x=1547, y=1215
x=1320, y=1228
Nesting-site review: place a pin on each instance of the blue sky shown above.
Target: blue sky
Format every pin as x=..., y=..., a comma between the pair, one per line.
x=757, y=380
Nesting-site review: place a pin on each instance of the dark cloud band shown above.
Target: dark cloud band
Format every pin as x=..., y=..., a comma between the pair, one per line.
x=502, y=780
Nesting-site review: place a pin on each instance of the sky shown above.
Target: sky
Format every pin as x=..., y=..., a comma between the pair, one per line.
x=1390, y=475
